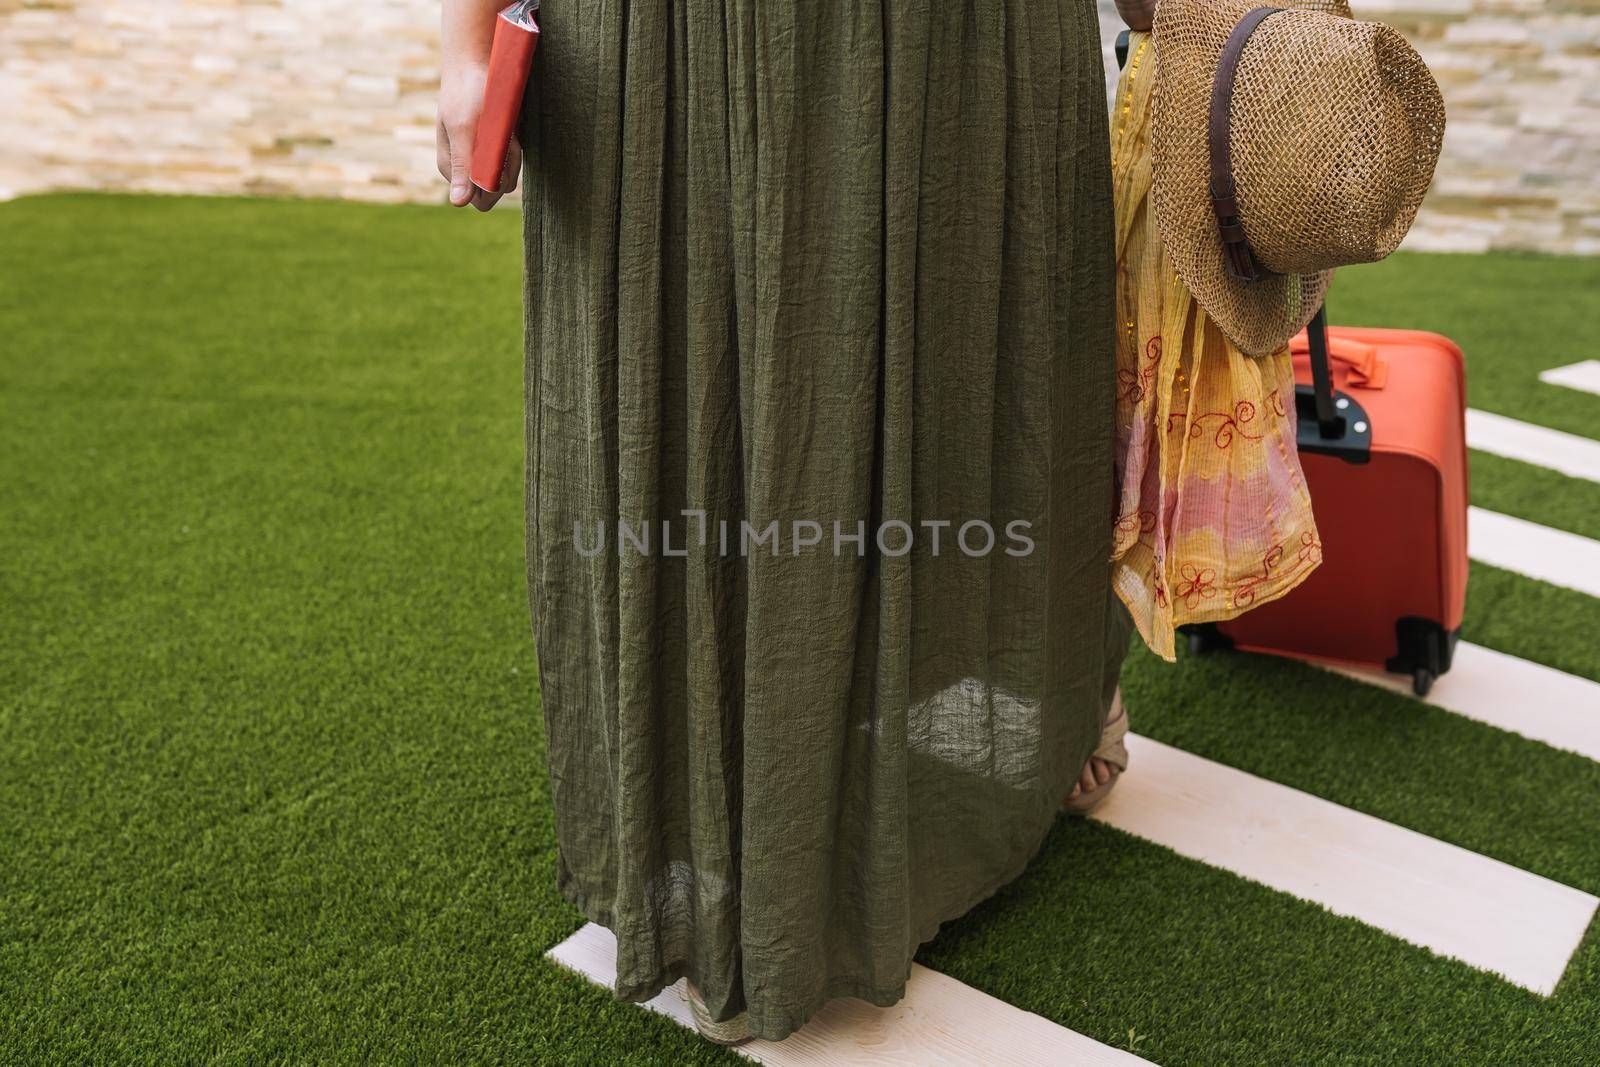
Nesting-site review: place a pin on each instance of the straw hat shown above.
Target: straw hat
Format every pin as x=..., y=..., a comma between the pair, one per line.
x=1333, y=130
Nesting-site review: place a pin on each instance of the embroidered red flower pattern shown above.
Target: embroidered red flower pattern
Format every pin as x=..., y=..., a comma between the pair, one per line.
x=1197, y=585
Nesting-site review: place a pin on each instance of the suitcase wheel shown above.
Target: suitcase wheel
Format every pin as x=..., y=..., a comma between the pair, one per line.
x=1423, y=650
x=1205, y=637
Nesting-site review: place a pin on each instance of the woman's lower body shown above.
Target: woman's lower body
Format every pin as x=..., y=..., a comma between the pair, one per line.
x=816, y=265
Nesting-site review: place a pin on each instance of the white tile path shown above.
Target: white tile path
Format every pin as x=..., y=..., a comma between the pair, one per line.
x=1455, y=902
x=939, y=1022
x=1535, y=701
x=1550, y=555
x=1458, y=903
x=1574, y=456
x=1584, y=376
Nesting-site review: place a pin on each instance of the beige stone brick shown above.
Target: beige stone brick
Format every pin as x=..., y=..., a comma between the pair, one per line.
x=317, y=98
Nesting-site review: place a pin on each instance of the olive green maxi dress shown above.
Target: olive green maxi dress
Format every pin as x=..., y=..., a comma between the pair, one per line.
x=814, y=262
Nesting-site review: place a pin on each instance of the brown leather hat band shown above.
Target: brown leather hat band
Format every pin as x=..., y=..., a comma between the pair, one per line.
x=1236, y=253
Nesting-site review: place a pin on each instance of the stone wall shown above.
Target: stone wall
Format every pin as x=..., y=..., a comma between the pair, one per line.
x=318, y=98
x=276, y=97
x=1521, y=82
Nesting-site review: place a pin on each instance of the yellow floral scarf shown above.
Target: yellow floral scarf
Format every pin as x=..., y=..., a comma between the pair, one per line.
x=1213, y=516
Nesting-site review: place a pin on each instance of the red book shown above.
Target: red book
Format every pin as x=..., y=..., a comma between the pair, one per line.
x=510, y=58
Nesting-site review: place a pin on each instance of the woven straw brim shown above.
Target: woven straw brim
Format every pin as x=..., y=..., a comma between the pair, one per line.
x=1335, y=126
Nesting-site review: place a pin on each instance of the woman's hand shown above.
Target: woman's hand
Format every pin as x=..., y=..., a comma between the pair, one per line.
x=467, y=31
x=1138, y=14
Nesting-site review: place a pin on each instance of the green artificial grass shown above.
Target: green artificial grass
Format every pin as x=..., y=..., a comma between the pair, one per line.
x=1535, y=493
x=1187, y=964
x=271, y=764
x=1538, y=622
x=1513, y=315
x=271, y=775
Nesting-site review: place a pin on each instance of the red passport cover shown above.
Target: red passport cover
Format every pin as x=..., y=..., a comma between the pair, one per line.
x=510, y=58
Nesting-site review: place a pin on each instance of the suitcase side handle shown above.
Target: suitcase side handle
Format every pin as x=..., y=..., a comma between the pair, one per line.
x=1365, y=365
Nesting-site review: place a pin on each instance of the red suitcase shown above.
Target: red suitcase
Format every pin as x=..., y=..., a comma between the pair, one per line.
x=1386, y=464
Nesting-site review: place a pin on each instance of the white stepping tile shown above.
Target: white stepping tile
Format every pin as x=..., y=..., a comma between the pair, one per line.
x=1574, y=456
x=1457, y=903
x=1584, y=376
x=1550, y=555
x=1530, y=699
x=939, y=1022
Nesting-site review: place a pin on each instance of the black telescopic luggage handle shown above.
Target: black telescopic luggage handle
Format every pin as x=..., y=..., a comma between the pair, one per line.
x=1329, y=424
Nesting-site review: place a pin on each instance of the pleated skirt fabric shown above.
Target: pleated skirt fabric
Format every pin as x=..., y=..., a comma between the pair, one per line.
x=835, y=279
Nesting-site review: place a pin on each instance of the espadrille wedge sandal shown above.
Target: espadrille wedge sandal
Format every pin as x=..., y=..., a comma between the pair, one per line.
x=736, y=1031
x=1113, y=751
